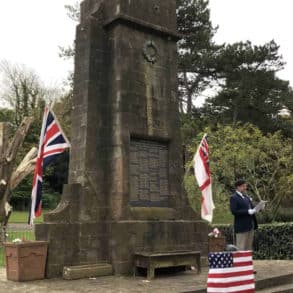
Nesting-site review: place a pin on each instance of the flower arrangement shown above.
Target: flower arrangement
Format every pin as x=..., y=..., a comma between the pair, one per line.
x=16, y=240
x=215, y=233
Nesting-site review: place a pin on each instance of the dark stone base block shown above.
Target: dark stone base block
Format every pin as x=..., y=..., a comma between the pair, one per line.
x=72, y=244
x=116, y=242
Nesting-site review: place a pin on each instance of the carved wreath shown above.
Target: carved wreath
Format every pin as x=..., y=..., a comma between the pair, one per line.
x=150, y=51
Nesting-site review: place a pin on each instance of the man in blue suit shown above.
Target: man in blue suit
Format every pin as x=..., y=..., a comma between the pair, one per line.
x=244, y=216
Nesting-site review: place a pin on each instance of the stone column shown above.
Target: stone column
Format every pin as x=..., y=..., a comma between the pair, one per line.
x=125, y=181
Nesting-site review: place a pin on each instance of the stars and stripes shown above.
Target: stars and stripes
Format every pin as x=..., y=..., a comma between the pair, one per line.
x=231, y=272
x=203, y=177
x=52, y=143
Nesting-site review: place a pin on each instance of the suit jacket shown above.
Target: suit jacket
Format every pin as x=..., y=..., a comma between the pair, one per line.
x=243, y=222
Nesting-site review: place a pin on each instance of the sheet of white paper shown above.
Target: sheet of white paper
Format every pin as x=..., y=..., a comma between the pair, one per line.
x=260, y=206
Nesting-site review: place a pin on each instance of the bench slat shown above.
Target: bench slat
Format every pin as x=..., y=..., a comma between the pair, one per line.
x=149, y=254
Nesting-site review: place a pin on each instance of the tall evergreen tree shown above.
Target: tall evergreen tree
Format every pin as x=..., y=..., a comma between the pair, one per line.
x=251, y=91
x=196, y=50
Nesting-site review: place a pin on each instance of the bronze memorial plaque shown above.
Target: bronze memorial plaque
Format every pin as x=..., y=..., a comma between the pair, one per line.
x=148, y=173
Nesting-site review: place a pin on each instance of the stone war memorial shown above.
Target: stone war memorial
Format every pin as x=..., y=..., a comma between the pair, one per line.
x=124, y=200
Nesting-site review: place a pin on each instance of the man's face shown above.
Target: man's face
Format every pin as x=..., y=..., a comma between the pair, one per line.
x=242, y=188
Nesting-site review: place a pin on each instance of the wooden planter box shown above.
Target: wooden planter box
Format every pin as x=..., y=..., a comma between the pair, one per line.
x=26, y=261
x=217, y=244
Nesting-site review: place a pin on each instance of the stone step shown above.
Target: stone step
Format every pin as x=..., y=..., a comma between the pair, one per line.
x=87, y=271
x=288, y=288
x=274, y=281
x=264, y=284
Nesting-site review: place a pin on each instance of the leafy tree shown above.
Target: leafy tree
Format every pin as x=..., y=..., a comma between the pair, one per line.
x=265, y=161
x=73, y=12
x=197, y=51
x=25, y=95
x=22, y=89
x=6, y=115
x=251, y=91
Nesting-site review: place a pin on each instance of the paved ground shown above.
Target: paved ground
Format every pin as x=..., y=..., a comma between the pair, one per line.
x=19, y=227
x=180, y=282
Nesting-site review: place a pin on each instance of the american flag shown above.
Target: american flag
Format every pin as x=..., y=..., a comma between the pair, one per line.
x=52, y=143
x=203, y=176
x=231, y=272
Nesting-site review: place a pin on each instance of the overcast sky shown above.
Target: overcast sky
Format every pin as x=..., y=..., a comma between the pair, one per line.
x=32, y=30
x=30, y=33
x=258, y=21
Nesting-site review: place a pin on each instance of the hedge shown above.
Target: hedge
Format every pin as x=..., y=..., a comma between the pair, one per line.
x=271, y=241
x=20, y=201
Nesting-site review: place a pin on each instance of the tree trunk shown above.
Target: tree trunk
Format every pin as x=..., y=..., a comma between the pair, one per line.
x=9, y=179
x=235, y=116
x=24, y=168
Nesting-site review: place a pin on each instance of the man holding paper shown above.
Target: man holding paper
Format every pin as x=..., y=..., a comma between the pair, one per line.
x=244, y=215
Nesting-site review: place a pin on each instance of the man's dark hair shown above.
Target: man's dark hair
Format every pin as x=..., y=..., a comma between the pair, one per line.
x=239, y=182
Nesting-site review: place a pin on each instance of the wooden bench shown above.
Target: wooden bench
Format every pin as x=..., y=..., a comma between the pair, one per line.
x=152, y=261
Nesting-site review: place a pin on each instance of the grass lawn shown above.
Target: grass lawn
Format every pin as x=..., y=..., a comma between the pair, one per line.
x=22, y=217
x=18, y=217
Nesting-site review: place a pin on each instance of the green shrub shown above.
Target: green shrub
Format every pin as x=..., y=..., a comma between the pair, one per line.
x=271, y=241
x=274, y=241
x=50, y=200
x=285, y=215
x=21, y=201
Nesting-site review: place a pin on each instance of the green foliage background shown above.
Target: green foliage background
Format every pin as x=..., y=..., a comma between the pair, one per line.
x=265, y=161
x=271, y=241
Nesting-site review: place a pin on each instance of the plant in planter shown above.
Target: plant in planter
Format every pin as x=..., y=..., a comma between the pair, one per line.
x=217, y=242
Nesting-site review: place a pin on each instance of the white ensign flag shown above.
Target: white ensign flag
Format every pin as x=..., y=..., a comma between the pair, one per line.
x=203, y=176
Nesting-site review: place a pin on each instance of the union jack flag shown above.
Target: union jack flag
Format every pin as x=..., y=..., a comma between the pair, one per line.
x=52, y=143
x=231, y=272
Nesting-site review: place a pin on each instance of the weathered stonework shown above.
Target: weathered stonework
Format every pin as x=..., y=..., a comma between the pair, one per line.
x=125, y=181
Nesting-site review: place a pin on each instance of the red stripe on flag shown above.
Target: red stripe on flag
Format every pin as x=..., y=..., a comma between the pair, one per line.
x=53, y=152
x=51, y=132
x=206, y=184
x=204, y=160
x=242, y=264
x=242, y=254
x=230, y=284
x=231, y=274
x=38, y=212
x=38, y=169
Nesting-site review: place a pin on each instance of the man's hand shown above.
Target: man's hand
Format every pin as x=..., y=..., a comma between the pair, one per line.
x=251, y=211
